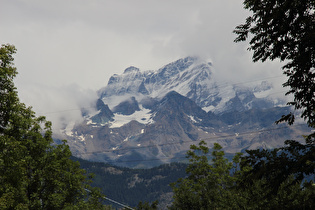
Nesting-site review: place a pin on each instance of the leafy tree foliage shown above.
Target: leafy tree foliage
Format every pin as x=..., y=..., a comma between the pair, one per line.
x=285, y=30
x=208, y=186
x=34, y=173
x=260, y=180
x=284, y=177
x=147, y=206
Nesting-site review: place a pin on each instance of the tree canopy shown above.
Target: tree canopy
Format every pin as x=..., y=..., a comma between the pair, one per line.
x=285, y=30
x=260, y=180
x=207, y=186
x=34, y=172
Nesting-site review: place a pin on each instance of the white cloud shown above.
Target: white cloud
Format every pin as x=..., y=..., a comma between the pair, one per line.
x=81, y=42
x=61, y=105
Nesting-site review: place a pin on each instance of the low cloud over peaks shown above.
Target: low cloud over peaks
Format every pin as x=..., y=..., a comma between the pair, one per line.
x=60, y=105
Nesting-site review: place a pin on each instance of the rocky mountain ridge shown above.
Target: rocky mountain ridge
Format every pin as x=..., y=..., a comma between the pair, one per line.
x=144, y=119
x=191, y=77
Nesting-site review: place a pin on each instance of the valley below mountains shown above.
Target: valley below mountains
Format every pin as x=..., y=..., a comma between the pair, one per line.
x=144, y=119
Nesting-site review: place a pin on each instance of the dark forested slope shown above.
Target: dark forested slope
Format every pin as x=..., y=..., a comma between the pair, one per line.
x=130, y=186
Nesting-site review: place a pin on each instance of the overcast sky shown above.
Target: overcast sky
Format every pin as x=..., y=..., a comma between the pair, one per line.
x=68, y=49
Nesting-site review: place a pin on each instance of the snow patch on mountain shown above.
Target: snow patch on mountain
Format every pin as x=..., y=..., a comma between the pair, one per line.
x=143, y=116
x=69, y=128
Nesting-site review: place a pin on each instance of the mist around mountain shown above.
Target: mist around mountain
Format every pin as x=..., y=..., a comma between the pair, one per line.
x=147, y=118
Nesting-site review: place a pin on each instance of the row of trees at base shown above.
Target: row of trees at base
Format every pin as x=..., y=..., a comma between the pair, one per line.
x=35, y=173
x=277, y=179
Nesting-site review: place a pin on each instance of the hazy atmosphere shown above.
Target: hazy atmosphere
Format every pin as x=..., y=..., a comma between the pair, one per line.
x=67, y=50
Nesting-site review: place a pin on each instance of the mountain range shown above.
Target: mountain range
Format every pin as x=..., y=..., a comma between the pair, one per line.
x=147, y=118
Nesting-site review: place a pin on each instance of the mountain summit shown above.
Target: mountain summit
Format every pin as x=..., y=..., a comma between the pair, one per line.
x=191, y=77
x=146, y=118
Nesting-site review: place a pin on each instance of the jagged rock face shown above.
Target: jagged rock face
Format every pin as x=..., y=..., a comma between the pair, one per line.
x=180, y=104
x=190, y=77
x=142, y=89
x=105, y=114
x=127, y=107
x=132, y=79
x=157, y=115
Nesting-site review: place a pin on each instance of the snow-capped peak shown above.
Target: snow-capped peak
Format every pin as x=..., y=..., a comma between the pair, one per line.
x=131, y=69
x=192, y=77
